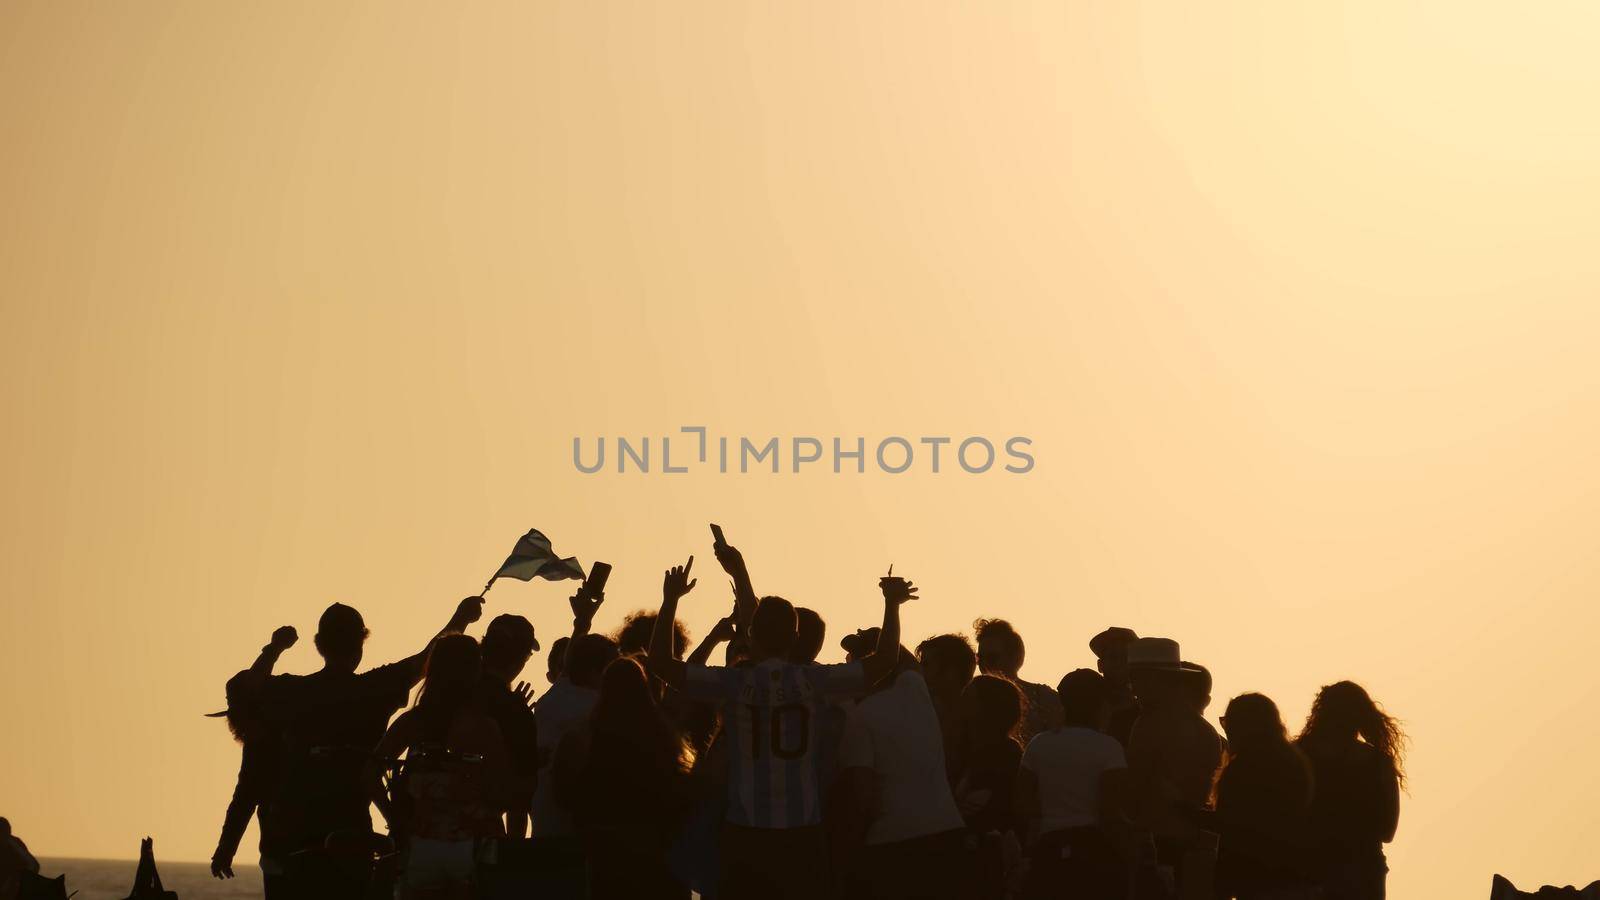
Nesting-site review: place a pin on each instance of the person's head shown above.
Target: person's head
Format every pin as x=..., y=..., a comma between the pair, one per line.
x=1155, y=672
x=948, y=663
x=773, y=628
x=508, y=642
x=1000, y=648
x=810, y=632
x=5, y=827
x=450, y=677
x=862, y=643
x=341, y=636
x=634, y=635
x=1252, y=723
x=587, y=657
x=1196, y=681
x=1345, y=712
x=555, y=664
x=1110, y=648
x=990, y=710
x=1085, y=699
x=627, y=710
x=243, y=713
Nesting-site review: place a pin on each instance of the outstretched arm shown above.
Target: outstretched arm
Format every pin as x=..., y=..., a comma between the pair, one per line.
x=744, y=593
x=882, y=661
x=467, y=611
x=585, y=603
x=720, y=633
x=660, y=660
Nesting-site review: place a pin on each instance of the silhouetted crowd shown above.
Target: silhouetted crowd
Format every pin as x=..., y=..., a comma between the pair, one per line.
x=644, y=771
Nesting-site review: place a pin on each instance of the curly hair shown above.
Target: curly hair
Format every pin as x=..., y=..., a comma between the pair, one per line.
x=1345, y=709
x=634, y=635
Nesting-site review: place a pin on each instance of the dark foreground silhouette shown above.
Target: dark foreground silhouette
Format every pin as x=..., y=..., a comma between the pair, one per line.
x=645, y=771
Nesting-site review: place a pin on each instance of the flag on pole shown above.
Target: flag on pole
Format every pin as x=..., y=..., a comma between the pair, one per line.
x=533, y=558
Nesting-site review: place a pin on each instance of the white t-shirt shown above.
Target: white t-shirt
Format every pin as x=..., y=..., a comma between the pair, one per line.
x=1068, y=763
x=895, y=733
x=562, y=708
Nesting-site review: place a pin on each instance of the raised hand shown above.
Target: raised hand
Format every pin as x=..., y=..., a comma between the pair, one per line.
x=282, y=639
x=524, y=692
x=897, y=590
x=469, y=611
x=585, y=605
x=676, y=582
x=731, y=559
x=723, y=631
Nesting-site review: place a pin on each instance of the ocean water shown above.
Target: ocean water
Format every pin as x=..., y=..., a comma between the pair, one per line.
x=104, y=879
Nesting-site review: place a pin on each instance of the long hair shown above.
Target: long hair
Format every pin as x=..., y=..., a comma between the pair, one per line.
x=1258, y=740
x=626, y=710
x=1344, y=711
x=449, y=680
x=1254, y=723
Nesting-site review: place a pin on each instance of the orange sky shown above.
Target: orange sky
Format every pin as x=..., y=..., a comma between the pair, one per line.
x=306, y=301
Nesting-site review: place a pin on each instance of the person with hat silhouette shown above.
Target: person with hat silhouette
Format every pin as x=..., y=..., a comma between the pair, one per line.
x=1173, y=752
x=1110, y=648
x=259, y=762
x=318, y=818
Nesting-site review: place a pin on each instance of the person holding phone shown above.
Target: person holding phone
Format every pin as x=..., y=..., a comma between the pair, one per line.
x=772, y=842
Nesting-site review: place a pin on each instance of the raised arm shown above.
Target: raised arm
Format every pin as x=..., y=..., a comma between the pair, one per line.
x=282, y=639
x=722, y=632
x=585, y=603
x=883, y=658
x=744, y=593
x=660, y=660
x=467, y=611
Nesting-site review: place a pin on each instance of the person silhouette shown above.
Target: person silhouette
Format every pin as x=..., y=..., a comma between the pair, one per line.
x=1110, y=648
x=456, y=779
x=564, y=708
x=984, y=778
x=556, y=660
x=623, y=776
x=1071, y=794
x=1263, y=797
x=508, y=644
x=318, y=818
x=1001, y=652
x=1173, y=754
x=1356, y=752
x=260, y=760
x=15, y=861
x=892, y=759
x=810, y=633
x=948, y=663
x=773, y=845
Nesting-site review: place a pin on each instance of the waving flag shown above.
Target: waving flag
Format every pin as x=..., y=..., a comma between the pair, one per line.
x=533, y=558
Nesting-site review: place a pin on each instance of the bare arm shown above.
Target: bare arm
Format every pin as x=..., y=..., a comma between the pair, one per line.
x=467, y=611
x=883, y=658
x=723, y=631
x=395, y=741
x=1391, y=808
x=660, y=660
x=744, y=593
x=585, y=603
